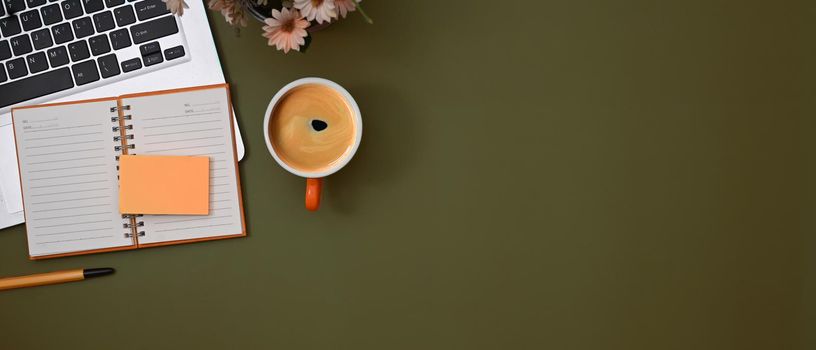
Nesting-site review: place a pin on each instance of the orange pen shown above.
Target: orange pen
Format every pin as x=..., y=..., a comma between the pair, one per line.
x=53, y=277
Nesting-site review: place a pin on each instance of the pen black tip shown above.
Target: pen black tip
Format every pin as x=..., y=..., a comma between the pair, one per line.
x=102, y=271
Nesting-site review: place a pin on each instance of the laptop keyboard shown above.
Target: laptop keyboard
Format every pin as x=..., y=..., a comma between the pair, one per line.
x=49, y=48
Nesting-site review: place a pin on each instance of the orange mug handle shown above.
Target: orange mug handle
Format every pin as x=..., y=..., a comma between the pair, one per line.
x=313, y=187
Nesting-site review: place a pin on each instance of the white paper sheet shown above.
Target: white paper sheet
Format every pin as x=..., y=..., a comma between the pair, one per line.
x=190, y=123
x=68, y=162
x=9, y=219
x=9, y=177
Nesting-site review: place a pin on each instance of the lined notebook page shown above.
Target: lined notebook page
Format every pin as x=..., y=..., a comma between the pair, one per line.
x=190, y=123
x=68, y=167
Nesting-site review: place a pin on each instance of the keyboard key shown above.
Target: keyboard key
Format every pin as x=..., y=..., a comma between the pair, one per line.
x=78, y=50
x=131, y=65
x=108, y=66
x=51, y=14
x=16, y=68
x=120, y=39
x=174, y=52
x=124, y=15
x=14, y=6
x=71, y=8
x=92, y=6
x=2, y=13
x=37, y=62
x=5, y=50
x=58, y=56
x=20, y=45
x=103, y=21
x=154, y=58
x=113, y=3
x=99, y=44
x=35, y=86
x=62, y=33
x=2, y=72
x=41, y=39
x=149, y=48
x=148, y=9
x=31, y=20
x=85, y=72
x=34, y=3
x=10, y=26
x=82, y=27
x=157, y=28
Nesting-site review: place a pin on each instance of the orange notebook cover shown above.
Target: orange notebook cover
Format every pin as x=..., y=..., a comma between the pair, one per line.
x=73, y=155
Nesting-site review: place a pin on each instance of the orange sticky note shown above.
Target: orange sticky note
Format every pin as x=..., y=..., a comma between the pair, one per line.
x=164, y=185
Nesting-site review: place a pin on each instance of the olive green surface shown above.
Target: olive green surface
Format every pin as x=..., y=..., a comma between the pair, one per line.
x=533, y=175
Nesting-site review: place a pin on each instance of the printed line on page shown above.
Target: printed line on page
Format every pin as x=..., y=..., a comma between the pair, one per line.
x=76, y=239
x=183, y=148
x=77, y=231
x=183, y=140
x=60, y=128
x=193, y=227
x=74, y=183
x=70, y=200
x=73, y=223
x=77, y=191
x=74, y=151
x=182, y=132
x=69, y=208
x=178, y=124
x=62, y=144
x=64, y=176
x=66, y=160
x=66, y=168
x=74, y=215
x=196, y=219
x=184, y=115
x=71, y=135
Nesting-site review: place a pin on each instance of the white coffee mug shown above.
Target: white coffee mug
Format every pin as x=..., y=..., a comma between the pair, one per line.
x=314, y=179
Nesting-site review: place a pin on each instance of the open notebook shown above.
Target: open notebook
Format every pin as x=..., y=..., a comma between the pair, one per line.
x=68, y=155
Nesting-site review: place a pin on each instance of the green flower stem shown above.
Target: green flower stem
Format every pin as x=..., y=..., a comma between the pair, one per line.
x=365, y=16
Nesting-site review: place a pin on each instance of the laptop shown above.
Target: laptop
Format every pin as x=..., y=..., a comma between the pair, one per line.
x=53, y=51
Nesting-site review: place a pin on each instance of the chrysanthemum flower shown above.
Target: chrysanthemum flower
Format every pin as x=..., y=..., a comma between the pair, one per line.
x=286, y=30
x=317, y=10
x=176, y=7
x=345, y=6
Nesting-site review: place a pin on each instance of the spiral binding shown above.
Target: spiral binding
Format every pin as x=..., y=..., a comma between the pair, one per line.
x=120, y=126
x=131, y=226
x=119, y=148
x=129, y=235
x=120, y=130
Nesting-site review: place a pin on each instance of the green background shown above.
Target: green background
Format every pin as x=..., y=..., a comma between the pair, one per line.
x=533, y=175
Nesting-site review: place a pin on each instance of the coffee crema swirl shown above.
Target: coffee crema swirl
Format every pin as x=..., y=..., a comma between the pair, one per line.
x=294, y=136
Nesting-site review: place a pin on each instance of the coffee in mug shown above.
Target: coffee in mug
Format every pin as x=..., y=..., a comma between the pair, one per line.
x=312, y=128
